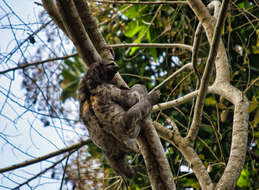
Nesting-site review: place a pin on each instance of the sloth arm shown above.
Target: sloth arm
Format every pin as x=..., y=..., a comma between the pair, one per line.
x=124, y=97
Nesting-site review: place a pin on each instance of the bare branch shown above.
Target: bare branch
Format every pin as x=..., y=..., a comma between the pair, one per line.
x=76, y=30
x=40, y=173
x=202, y=12
x=176, y=102
x=45, y=157
x=251, y=84
x=169, y=121
x=157, y=45
x=207, y=74
x=239, y=135
x=142, y=2
x=188, y=152
x=90, y=25
x=160, y=177
x=52, y=10
x=196, y=44
x=37, y=63
x=222, y=87
x=187, y=66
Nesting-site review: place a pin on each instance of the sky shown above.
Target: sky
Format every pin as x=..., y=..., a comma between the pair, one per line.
x=22, y=136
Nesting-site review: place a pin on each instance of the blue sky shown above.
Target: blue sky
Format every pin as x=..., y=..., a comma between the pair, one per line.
x=18, y=126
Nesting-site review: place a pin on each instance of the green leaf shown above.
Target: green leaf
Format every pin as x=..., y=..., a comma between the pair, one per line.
x=132, y=12
x=154, y=53
x=256, y=117
x=253, y=105
x=206, y=128
x=241, y=4
x=71, y=71
x=210, y=101
x=132, y=51
x=132, y=29
x=243, y=180
x=177, y=158
x=148, y=35
x=256, y=134
x=69, y=90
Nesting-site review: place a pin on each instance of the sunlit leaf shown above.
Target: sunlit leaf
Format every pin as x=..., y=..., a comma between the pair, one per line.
x=210, y=101
x=132, y=12
x=132, y=29
x=243, y=180
x=256, y=118
x=253, y=104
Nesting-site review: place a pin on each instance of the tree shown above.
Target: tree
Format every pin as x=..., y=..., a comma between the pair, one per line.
x=208, y=133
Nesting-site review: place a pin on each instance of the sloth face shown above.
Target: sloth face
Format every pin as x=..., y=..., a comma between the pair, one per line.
x=108, y=71
x=103, y=71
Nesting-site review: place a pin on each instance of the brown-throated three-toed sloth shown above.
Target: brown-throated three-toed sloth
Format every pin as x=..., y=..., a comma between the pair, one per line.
x=112, y=114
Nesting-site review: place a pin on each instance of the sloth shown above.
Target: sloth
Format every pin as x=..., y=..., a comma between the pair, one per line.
x=113, y=114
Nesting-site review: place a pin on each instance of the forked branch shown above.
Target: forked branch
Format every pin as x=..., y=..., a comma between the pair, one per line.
x=192, y=134
x=77, y=26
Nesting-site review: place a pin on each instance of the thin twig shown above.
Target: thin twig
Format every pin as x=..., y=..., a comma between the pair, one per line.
x=23, y=66
x=40, y=173
x=157, y=45
x=196, y=44
x=19, y=45
x=169, y=121
x=115, y=15
x=45, y=157
x=251, y=84
x=176, y=102
x=187, y=66
x=64, y=172
x=207, y=74
x=141, y=2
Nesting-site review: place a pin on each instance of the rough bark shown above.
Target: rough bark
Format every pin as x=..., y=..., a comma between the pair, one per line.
x=81, y=27
x=221, y=86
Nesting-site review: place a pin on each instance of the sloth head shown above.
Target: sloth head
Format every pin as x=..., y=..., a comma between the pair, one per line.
x=101, y=72
x=98, y=73
x=106, y=70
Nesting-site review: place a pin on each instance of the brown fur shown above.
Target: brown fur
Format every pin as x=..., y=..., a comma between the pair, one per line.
x=112, y=114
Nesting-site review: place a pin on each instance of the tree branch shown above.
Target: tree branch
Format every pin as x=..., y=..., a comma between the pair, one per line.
x=91, y=27
x=158, y=168
x=40, y=173
x=196, y=44
x=239, y=135
x=76, y=31
x=223, y=88
x=142, y=2
x=157, y=45
x=37, y=63
x=176, y=102
x=47, y=156
x=187, y=66
x=188, y=152
x=52, y=10
x=192, y=134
